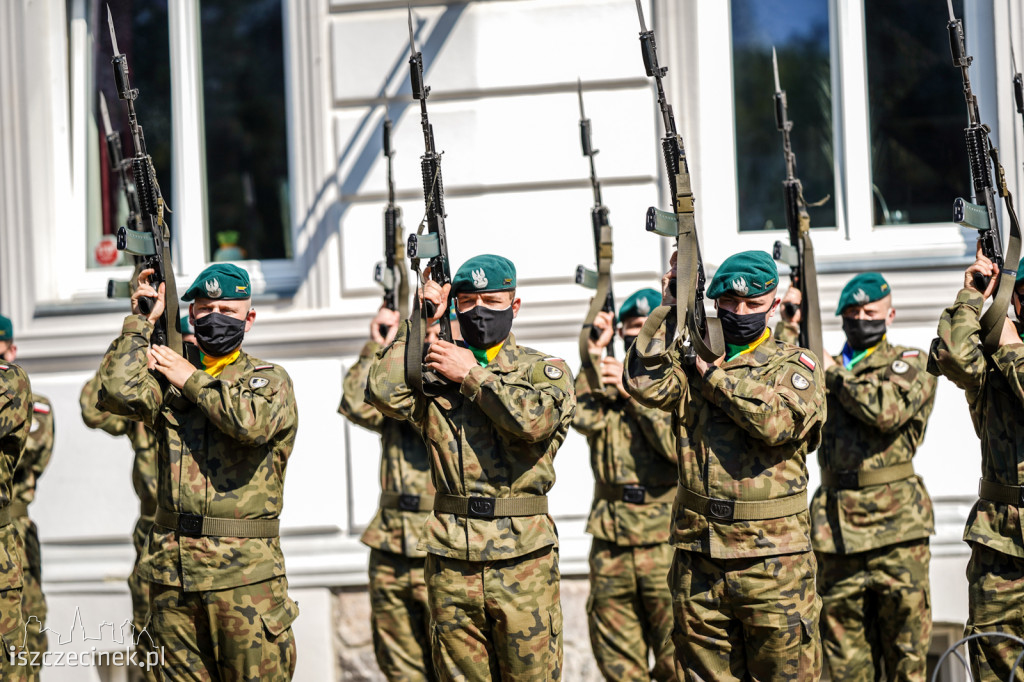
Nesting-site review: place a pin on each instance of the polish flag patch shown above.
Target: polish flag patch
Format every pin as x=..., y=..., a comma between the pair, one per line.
x=256, y=369
x=807, y=361
x=41, y=408
x=911, y=353
x=4, y=367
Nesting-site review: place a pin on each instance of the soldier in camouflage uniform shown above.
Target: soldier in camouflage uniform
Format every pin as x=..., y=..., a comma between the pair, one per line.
x=633, y=457
x=492, y=433
x=15, y=424
x=743, y=574
x=34, y=459
x=219, y=607
x=994, y=384
x=872, y=515
x=399, y=612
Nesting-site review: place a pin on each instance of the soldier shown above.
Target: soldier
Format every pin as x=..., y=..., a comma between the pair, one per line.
x=33, y=462
x=743, y=574
x=219, y=606
x=633, y=457
x=872, y=515
x=994, y=384
x=15, y=424
x=492, y=433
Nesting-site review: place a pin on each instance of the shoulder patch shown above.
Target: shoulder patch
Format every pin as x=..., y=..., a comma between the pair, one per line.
x=35, y=425
x=552, y=372
x=258, y=382
x=807, y=361
x=899, y=367
x=910, y=354
x=259, y=367
x=5, y=367
x=41, y=408
x=799, y=381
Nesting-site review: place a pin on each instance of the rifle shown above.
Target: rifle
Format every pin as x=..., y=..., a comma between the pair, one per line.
x=601, y=280
x=704, y=334
x=152, y=242
x=433, y=245
x=799, y=253
x=982, y=217
x=119, y=167
x=389, y=273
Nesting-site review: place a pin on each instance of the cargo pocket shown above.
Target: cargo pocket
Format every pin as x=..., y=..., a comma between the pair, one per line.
x=12, y=621
x=280, y=617
x=554, y=667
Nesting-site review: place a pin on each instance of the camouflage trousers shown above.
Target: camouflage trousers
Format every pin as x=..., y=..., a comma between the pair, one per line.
x=875, y=608
x=33, y=603
x=139, y=590
x=13, y=665
x=240, y=633
x=629, y=610
x=995, y=589
x=400, y=616
x=496, y=620
x=745, y=619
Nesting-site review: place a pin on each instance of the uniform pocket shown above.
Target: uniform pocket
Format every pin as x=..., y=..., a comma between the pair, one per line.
x=280, y=617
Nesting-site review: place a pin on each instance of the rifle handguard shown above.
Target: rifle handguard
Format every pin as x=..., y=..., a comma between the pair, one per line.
x=970, y=215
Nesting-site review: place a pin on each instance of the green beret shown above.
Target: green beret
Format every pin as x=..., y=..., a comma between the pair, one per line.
x=864, y=288
x=485, y=273
x=6, y=329
x=747, y=274
x=186, y=328
x=1020, y=274
x=640, y=304
x=220, y=281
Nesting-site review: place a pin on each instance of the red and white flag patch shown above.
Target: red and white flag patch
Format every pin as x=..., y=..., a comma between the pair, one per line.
x=807, y=361
x=41, y=408
x=256, y=369
x=911, y=353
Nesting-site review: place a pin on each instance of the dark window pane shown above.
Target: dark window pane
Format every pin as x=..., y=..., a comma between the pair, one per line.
x=917, y=109
x=799, y=31
x=246, y=136
x=142, y=35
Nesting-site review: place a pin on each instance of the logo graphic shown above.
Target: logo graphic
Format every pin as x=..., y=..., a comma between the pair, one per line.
x=552, y=372
x=213, y=288
x=861, y=297
x=720, y=510
x=643, y=307
x=258, y=382
x=900, y=367
x=799, y=381
x=739, y=285
x=479, y=278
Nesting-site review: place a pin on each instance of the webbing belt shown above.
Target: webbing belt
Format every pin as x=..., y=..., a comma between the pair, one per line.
x=999, y=492
x=862, y=478
x=197, y=525
x=18, y=509
x=403, y=502
x=739, y=510
x=634, y=494
x=490, y=507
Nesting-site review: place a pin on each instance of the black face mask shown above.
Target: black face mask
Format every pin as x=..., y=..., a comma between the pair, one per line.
x=628, y=341
x=484, y=327
x=863, y=334
x=742, y=329
x=219, y=335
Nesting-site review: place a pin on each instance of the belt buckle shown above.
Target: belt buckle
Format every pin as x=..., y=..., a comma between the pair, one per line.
x=721, y=510
x=848, y=480
x=409, y=503
x=634, y=494
x=190, y=524
x=480, y=507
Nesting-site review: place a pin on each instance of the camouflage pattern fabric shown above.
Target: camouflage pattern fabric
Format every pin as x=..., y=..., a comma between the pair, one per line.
x=233, y=635
x=629, y=610
x=745, y=619
x=496, y=620
x=15, y=424
x=495, y=435
x=404, y=465
x=744, y=430
x=875, y=610
x=223, y=448
x=629, y=445
x=400, y=616
x=995, y=589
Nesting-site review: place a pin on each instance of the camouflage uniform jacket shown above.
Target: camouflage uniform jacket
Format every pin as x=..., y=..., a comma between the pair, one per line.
x=38, y=449
x=15, y=423
x=495, y=435
x=877, y=415
x=404, y=467
x=629, y=445
x=142, y=439
x=744, y=431
x=994, y=385
x=223, y=445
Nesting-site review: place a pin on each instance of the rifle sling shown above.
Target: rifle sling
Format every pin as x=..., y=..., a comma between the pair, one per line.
x=810, y=317
x=604, y=280
x=993, y=319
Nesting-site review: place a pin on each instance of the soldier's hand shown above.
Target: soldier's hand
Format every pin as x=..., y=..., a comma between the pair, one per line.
x=389, y=320
x=436, y=294
x=611, y=375
x=703, y=365
x=146, y=290
x=605, y=324
x=794, y=297
x=453, y=362
x=827, y=361
x=1009, y=335
x=982, y=266
x=668, y=282
x=171, y=364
